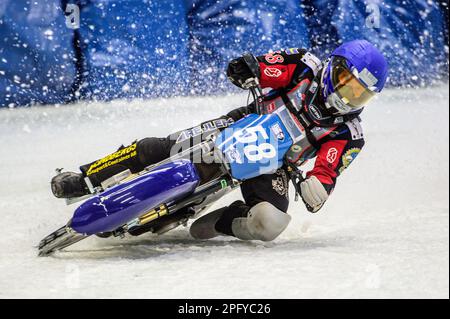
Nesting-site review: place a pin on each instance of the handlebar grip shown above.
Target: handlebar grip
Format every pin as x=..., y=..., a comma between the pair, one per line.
x=252, y=64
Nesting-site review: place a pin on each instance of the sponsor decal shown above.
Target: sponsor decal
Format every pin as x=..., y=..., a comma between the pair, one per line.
x=355, y=129
x=277, y=185
x=272, y=72
x=338, y=120
x=367, y=77
x=280, y=183
x=297, y=96
x=274, y=58
x=335, y=101
x=112, y=159
x=204, y=128
x=296, y=148
x=313, y=87
x=300, y=92
x=277, y=131
x=317, y=129
x=271, y=107
x=348, y=157
x=340, y=105
x=293, y=154
x=315, y=112
x=332, y=155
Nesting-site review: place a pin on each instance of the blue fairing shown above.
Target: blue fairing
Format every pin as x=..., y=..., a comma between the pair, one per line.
x=256, y=144
x=120, y=204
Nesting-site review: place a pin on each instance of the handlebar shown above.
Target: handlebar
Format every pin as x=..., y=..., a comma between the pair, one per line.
x=253, y=86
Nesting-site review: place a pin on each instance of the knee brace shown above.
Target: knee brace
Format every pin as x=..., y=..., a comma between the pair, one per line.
x=263, y=222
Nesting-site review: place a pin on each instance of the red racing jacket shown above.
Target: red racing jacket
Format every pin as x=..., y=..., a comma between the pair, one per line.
x=334, y=141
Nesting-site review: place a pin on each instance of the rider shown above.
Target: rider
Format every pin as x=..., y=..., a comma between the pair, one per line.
x=326, y=99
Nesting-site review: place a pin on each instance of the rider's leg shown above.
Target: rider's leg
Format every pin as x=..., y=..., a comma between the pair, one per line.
x=262, y=217
x=206, y=226
x=134, y=157
x=138, y=155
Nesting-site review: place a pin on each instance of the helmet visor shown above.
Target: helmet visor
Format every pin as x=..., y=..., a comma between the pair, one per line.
x=348, y=87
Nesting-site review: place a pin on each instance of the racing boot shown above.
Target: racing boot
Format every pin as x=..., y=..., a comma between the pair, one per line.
x=205, y=226
x=69, y=185
x=218, y=222
x=262, y=221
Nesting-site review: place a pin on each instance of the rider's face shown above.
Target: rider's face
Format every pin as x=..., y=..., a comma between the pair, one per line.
x=350, y=82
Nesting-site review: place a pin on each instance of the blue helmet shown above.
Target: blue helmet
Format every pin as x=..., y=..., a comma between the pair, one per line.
x=355, y=72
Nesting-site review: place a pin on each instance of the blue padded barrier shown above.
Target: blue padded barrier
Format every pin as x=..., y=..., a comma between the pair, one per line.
x=222, y=30
x=133, y=48
x=36, y=53
x=149, y=48
x=412, y=34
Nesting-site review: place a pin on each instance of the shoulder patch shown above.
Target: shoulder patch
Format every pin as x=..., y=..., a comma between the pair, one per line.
x=312, y=62
x=355, y=129
x=348, y=158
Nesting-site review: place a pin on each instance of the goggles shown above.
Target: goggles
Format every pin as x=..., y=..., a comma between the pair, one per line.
x=348, y=87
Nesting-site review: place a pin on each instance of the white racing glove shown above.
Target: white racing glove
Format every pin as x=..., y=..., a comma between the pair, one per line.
x=313, y=193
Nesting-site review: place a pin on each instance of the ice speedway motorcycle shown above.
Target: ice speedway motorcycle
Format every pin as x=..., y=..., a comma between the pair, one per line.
x=167, y=194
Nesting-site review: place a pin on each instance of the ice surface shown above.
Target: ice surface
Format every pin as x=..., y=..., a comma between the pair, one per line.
x=383, y=233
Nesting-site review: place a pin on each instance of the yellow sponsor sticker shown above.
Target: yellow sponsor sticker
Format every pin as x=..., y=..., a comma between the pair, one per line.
x=112, y=159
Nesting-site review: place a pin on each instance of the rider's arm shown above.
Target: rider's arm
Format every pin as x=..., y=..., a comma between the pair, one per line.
x=334, y=155
x=278, y=69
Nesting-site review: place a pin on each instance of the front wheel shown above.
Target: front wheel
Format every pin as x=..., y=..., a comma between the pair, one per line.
x=59, y=239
